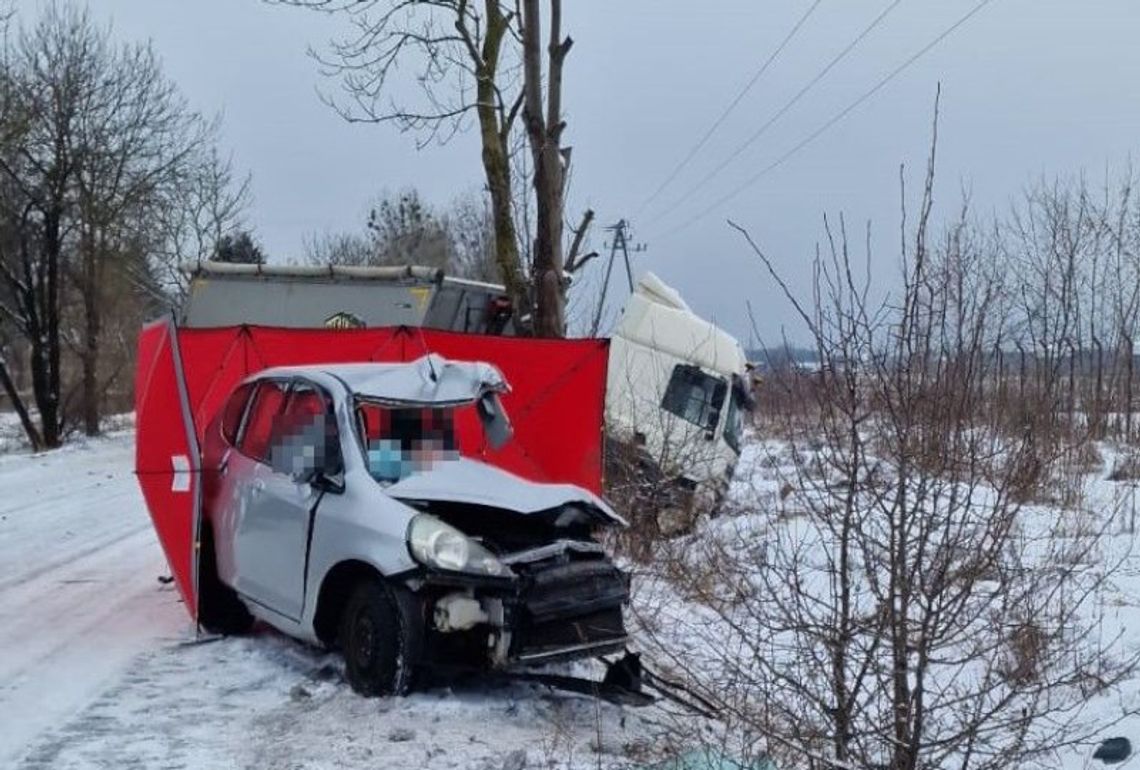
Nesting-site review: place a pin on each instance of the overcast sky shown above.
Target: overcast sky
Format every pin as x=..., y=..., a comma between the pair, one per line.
x=1029, y=88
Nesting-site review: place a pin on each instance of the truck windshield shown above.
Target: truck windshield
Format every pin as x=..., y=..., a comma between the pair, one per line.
x=400, y=441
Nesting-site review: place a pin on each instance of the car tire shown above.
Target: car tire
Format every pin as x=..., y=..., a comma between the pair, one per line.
x=381, y=634
x=220, y=611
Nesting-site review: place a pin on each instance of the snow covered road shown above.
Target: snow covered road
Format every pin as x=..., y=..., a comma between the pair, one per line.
x=79, y=596
x=96, y=671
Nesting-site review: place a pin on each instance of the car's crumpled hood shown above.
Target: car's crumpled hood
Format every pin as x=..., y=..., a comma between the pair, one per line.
x=476, y=483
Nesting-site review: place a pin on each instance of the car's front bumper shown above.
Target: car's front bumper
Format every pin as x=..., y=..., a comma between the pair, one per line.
x=549, y=612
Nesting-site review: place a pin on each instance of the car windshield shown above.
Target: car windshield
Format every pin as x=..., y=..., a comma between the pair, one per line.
x=400, y=441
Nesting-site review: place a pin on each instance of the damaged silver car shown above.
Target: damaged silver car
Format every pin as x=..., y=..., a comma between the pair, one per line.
x=339, y=509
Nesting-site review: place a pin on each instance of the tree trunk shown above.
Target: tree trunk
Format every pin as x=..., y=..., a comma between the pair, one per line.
x=1131, y=362
x=45, y=340
x=496, y=165
x=92, y=316
x=18, y=405
x=545, y=142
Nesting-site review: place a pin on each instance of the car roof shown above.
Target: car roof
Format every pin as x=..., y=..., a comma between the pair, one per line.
x=431, y=379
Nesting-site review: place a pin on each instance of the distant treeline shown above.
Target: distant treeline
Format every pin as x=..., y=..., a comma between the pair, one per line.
x=782, y=357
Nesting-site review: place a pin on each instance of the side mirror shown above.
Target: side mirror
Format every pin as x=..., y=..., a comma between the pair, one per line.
x=496, y=424
x=320, y=478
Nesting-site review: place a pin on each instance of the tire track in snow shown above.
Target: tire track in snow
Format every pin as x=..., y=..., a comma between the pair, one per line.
x=68, y=595
x=71, y=558
x=78, y=599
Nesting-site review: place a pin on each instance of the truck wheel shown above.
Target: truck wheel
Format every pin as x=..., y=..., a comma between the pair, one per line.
x=220, y=611
x=381, y=635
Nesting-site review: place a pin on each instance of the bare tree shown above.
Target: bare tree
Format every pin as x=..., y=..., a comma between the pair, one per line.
x=95, y=149
x=133, y=133
x=199, y=206
x=478, y=59
x=472, y=234
x=905, y=608
x=403, y=229
x=544, y=127
x=40, y=84
x=460, y=53
x=339, y=249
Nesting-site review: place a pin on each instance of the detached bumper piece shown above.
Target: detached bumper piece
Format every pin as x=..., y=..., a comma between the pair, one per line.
x=628, y=683
x=570, y=610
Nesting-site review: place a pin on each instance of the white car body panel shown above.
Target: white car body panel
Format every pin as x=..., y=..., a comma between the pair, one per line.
x=278, y=539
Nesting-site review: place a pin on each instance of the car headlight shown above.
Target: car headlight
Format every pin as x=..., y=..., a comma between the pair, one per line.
x=435, y=543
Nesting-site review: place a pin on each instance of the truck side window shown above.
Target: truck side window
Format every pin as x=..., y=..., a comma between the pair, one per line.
x=695, y=396
x=234, y=411
x=267, y=404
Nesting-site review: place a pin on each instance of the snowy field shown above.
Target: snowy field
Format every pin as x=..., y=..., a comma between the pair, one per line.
x=99, y=667
x=96, y=668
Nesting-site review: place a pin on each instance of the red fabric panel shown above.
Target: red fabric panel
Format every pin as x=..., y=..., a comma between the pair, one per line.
x=161, y=441
x=234, y=410
x=214, y=362
x=556, y=403
x=217, y=359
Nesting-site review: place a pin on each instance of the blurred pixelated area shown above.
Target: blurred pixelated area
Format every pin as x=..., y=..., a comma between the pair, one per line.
x=402, y=441
x=303, y=443
x=297, y=433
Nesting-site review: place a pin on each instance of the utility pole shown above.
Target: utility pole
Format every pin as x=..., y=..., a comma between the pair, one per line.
x=621, y=239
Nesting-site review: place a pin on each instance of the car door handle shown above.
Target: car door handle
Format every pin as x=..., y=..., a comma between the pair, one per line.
x=223, y=467
x=257, y=487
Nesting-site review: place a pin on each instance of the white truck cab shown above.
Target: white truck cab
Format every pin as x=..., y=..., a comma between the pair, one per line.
x=677, y=388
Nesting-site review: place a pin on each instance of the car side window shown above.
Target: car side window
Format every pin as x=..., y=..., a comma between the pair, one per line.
x=268, y=401
x=305, y=436
x=234, y=411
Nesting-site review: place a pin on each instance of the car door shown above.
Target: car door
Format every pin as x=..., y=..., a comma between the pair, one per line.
x=273, y=525
x=220, y=499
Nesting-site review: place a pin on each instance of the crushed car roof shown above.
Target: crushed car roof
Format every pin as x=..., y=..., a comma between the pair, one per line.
x=431, y=379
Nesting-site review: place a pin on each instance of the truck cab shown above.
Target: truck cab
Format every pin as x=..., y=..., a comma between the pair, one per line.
x=677, y=390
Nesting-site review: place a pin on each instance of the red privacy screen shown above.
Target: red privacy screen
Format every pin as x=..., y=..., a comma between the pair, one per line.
x=556, y=404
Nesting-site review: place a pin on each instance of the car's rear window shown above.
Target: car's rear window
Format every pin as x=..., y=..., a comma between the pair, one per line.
x=267, y=403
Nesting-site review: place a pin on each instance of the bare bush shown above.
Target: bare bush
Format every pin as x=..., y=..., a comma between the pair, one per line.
x=915, y=611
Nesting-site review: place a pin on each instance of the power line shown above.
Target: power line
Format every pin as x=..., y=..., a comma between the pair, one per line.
x=732, y=105
x=782, y=111
x=834, y=120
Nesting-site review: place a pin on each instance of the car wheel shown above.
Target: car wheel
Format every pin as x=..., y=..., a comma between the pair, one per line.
x=381, y=637
x=220, y=611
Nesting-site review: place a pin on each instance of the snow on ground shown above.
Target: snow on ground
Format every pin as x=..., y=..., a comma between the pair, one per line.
x=97, y=669
x=757, y=499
